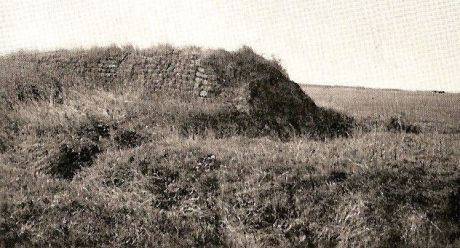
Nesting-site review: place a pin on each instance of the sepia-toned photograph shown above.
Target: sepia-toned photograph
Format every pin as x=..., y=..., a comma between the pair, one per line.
x=243, y=123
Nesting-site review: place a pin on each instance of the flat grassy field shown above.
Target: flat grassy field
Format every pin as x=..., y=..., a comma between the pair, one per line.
x=433, y=111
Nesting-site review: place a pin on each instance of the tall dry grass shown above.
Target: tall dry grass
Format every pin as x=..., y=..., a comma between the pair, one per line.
x=131, y=179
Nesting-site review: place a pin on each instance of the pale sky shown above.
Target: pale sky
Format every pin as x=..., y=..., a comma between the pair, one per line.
x=411, y=44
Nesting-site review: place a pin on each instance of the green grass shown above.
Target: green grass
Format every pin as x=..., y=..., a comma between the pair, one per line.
x=145, y=184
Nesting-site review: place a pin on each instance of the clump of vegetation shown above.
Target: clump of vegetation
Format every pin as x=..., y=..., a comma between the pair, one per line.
x=70, y=160
x=398, y=124
x=95, y=130
x=453, y=212
x=128, y=139
x=8, y=128
x=329, y=124
x=222, y=124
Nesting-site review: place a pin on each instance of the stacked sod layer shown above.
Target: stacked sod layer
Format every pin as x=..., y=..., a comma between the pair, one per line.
x=254, y=95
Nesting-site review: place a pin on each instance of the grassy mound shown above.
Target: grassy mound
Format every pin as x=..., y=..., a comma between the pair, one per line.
x=170, y=147
x=255, y=93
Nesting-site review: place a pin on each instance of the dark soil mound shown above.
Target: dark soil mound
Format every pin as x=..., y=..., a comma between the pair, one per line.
x=262, y=100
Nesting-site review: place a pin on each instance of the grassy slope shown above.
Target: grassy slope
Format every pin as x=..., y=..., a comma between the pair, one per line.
x=150, y=186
